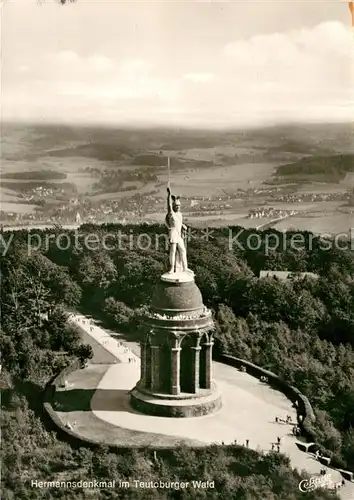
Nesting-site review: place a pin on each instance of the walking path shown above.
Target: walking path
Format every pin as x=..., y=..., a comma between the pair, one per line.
x=248, y=412
x=119, y=349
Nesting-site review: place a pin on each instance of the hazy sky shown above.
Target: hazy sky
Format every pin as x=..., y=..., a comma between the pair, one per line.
x=177, y=62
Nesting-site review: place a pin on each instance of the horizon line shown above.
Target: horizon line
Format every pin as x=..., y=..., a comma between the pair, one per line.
x=169, y=126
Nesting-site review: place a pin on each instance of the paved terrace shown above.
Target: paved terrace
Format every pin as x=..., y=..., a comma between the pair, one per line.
x=248, y=412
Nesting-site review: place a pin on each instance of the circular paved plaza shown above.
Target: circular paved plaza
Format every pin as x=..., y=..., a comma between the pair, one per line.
x=248, y=411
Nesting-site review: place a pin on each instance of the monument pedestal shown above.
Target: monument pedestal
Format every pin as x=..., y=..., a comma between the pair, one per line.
x=182, y=406
x=176, y=378
x=178, y=277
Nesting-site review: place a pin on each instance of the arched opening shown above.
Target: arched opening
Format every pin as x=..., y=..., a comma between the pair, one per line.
x=202, y=362
x=186, y=370
x=165, y=368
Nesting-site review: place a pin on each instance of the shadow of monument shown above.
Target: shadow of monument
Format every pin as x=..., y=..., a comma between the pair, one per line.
x=93, y=400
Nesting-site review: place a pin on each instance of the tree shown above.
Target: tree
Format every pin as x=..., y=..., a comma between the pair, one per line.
x=96, y=269
x=121, y=313
x=84, y=352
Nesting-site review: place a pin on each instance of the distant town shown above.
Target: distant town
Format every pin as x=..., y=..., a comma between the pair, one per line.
x=136, y=207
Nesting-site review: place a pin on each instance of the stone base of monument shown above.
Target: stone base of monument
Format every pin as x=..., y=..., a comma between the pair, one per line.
x=176, y=352
x=178, y=277
x=181, y=406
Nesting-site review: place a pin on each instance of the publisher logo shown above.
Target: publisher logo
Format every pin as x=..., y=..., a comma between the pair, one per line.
x=316, y=482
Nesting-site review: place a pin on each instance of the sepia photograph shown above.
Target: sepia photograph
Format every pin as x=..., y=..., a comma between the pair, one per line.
x=177, y=250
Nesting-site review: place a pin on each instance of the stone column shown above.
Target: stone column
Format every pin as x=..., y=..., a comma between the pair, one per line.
x=175, y=370
x=143, y=360
x=195, y=368
x=208, y=363
x=155, y=367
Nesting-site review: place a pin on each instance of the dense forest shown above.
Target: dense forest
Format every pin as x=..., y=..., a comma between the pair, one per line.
x=301, y=328
x=330, y=167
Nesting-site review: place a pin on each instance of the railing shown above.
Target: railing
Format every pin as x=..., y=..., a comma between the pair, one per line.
x=305, y=413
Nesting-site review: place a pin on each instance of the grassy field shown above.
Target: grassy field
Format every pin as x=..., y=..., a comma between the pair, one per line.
x=220, y=180
x=16, y=207
x=320, y=224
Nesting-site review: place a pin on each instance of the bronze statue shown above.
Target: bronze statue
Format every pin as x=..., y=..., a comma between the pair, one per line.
x=177, y=235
